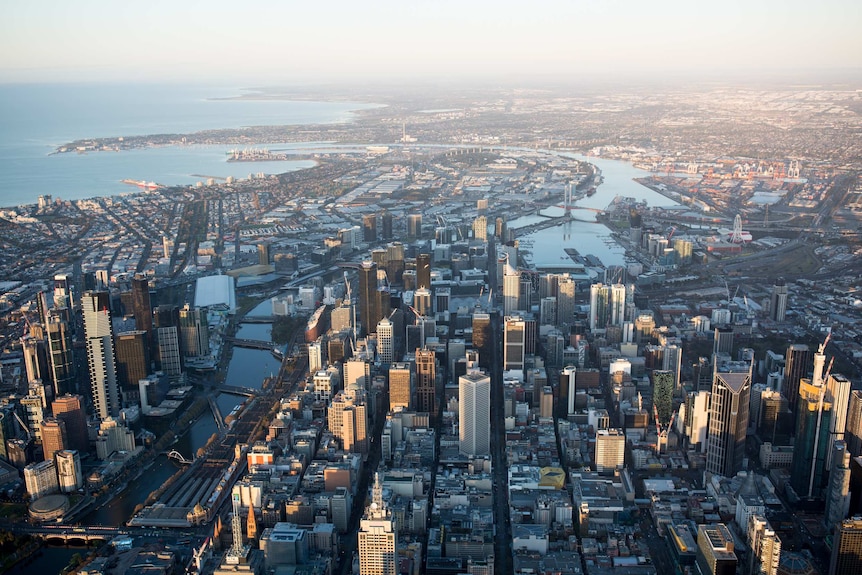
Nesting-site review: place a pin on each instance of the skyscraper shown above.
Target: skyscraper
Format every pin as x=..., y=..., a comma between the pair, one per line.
x=474, y=413
x=194, y=332
x=480, y=228
x=98, y=334
x=426, y=381
x=385, y=341
x=400, y=385
x=133, y=360
x=60, y=354
x=796, y=363
x=348, y=420
x=377, y=538
x=715, y=555
x=728, y=419
x=166, y=320
x=368, y=313
x=386, y=224
x=765, y=547
x=723, y=340
x=813, y=419
x=838, y=490
x=778, y=301
x=54, y=437
x=69, y=408
x=69, y=475
x=853, y=434
x=423, y=271
x=482, y=337
x=141, y=303
x=514, y=343
x=511, y=289
x=662, y=395
x=607, y=305
x=414, y=226
x=369, y=228
x=847, y=548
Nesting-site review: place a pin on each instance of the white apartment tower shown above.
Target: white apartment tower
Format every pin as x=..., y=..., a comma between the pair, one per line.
x=474, y=413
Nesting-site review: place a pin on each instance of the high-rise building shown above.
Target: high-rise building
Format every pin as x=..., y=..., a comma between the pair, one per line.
x=778, y=302
x=853, y=434
x=369, y=313
x=662, y=395
x=838, y=393
x=70, y=409
x=847, y=548
x=566, y=289
x=385, y=341
x=386, y=225
x=264, y=257
x=514, y=343
x=69, y=475
x=98, y=334
x=63, y=297
x=610, y=450
x=723, y=340
x=141, y=303
x=423, y=271
x=113, y=436
x=548, y=311
x=695, y=419
x=35, y=359
x=482, y=338
x=194, y=332
x=672, y=361
x=133, y=360
x=480, y=228
x=796, y=364
x=347, y=418
x=838, y=490
x=568, y=388
x=765, y=546
x=369, y=228
x=377, y=537
x=715, y=555
x=511, y=290
x=474, y=413
x=60, y=354
x=414, y=226
x=728, y=420
x=607, y=306
x=54, y=437
x=426, y=381
x=400, y=385
x=40, y=479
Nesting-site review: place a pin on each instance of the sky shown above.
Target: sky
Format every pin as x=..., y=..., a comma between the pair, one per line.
x=332, y=40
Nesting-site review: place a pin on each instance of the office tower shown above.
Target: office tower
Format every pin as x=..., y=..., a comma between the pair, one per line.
x=525, y=293
x=549, y=285
x=414, y=226
x=442, y=299
x=377, y=538
x=796, y=364
x=369, y=228
x=773, y=416
x=814, y=413
x=60, y=355
x=723, y=340
x=568, y=388
x=728, y=420
x=548, y=311
x=166, y=319
x=315, y=356
x=63, y=292
x=853, y=435
x=778, y=302
x=514, y=343
x=566, y=289
x=369, y=314
x=357, y=373
x=347, y=419
x=474, y=413
x=610, y=450
x=765, y=547
x=696, y=417
x=395, y=262
x=40, y=479
x=838, y=490
x=133, y=360
x=715, y=555
x=385, y=341
x=482, y=338
x=194, y=332
x=662, y=395
x=34, y=413
x=847, y=548
x=511, y=289
x=400, y=385
x=480, y=228
x=54, y=437
x=69, y=408
x=264, y=257
x=423, y=271
x=42, y=307
x=422, y=301
x=672, y=361
x=607, y=306
x=69, y=475
x=837, y=393
x=113, y=436
x=325, y=384
x=98, y=334
x=141, y=303
x=36, y=363
x=386, y=225
x=426, y=381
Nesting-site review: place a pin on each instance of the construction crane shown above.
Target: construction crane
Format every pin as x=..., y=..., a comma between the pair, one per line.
x=672, y=232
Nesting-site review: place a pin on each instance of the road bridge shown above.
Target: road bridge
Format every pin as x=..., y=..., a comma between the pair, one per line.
x=252, y=343
x=66, y=533
x=239, y=390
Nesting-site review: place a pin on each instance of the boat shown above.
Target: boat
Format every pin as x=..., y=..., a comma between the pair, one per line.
x=143, y=184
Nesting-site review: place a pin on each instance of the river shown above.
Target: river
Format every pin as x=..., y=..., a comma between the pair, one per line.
x=584, y=233
x=247, y=368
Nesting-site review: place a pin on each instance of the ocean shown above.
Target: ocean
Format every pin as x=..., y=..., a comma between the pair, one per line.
x=37, y=118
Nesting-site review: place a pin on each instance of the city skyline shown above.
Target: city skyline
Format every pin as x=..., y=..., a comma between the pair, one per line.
x=275, y=42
